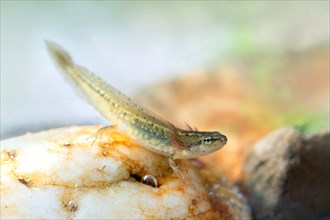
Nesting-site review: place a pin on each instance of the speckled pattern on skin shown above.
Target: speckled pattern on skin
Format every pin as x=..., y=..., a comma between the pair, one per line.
x=139, y=123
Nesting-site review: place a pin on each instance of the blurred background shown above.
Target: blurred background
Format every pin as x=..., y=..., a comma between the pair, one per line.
x=135, y=45
x=245, y=68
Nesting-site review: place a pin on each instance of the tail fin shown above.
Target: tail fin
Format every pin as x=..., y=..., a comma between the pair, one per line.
x=60, y=56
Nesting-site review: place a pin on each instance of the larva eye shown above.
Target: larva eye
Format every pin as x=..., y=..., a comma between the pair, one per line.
x=207, y=140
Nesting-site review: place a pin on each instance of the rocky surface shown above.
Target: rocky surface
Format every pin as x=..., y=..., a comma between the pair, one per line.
x=68, y=173
x=288, y=176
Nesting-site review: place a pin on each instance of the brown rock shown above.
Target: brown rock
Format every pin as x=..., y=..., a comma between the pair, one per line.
x=288, y=176
x=227, y=199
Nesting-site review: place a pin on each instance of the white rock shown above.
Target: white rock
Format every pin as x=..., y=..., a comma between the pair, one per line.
x=68, y=174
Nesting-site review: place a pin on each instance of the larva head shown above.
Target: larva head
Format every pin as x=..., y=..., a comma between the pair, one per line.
x=201, y=143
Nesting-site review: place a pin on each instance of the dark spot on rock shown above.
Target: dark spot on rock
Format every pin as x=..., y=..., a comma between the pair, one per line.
x=26, y=182
x=136, y=177
x=67, y=144
x=12, y=154
x=72, y=206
